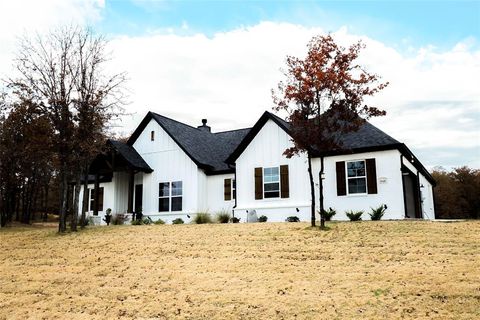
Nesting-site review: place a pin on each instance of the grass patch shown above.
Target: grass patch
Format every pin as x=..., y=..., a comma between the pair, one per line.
x=410, y=269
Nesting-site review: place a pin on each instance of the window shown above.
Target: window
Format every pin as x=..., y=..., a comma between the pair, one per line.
x=177, y=196
x=356, y=177
x=229, y=189
x=100, y=199
x=234, y=189
x=271, y=182
x=170, y=196
x=152, y=136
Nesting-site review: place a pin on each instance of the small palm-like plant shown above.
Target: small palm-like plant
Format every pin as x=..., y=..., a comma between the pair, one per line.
x=377, y=213
x=354, y=215
x=328, y=214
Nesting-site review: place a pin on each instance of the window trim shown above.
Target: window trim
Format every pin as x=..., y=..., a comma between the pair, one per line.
x=279, y=184
x=233, y=189
x=170, y=196
x=347, y=178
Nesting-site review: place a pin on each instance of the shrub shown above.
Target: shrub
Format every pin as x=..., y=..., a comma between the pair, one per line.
x=354, y=215
x=292, y=219
x=159, y=221
x=235, y=220
x=119, y=219
x=223, y=217
x=177, y=221
x=147, y=220
x=328, y=214
x=262, y=219
x=136, y=222
x=377, y=213
x=202, y=217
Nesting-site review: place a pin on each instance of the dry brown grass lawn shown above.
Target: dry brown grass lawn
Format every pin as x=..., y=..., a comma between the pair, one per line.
x=405, y=269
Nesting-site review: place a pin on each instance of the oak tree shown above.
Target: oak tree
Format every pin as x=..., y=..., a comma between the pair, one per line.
x=323, y=96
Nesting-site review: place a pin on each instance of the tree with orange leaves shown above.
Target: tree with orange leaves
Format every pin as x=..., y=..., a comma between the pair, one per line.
x=323, y=96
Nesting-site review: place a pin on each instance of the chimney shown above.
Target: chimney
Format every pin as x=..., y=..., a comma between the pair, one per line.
x=204, y=126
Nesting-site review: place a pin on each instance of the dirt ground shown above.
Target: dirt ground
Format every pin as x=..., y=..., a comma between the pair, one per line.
x=381, y=270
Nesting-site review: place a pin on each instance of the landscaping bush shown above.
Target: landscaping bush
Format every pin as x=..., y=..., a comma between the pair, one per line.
x=262, y=219
x=177, y=221
x=234, y=220
x=328, y=214
x=119, y=219
x=354, y=215
x=293, y=219
x=159, y=221
x=202, y=217
x=147, y=220
x=136, y=222
x=223, y=217
x=377, y=213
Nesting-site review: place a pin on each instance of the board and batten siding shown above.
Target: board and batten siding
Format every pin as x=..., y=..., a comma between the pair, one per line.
x=388, y=184
x=266, y=150
x=215, y=194
x=169, y=163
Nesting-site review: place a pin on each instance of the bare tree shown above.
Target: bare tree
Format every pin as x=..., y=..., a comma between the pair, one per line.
x=64, y=72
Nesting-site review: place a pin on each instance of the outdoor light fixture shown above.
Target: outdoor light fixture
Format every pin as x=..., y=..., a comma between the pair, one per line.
x=323, y=175
x=297, y=209
x=421, y=186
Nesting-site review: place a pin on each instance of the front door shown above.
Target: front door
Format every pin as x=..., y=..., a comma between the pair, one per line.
x=138, y=198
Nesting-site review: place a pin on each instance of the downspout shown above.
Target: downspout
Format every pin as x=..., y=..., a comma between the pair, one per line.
x=403, y=188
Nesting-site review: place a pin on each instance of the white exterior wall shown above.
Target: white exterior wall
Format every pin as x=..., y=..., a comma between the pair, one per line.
x=266, y=150
x=389, y=192
x=108, y=200
x=215, y=194
x=169, y=163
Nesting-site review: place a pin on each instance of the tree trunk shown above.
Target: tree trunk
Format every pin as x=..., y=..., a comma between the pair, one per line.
x=322, y=209
x=76, y=196
x=83, y=219
x=312, y=189
x=62, y=224
x=45, y=206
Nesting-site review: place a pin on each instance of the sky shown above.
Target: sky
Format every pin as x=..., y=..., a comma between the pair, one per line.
x=220, y=59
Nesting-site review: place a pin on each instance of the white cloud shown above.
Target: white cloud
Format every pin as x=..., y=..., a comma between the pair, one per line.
x=432, y=100
x=26, y=16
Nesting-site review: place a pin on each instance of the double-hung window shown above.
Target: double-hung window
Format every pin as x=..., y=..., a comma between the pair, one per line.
x=271, y=182
x=356, y=177
x=170, y=196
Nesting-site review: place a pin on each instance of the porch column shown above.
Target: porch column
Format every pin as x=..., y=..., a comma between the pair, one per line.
x=131, y=179
x=96, y=194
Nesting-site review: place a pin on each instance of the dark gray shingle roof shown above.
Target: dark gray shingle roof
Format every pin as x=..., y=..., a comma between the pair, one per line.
x=130, y=155
x=367, y=136
x=207, y=149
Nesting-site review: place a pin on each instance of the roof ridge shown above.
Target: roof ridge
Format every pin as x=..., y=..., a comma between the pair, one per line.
x=160, y=115
x=248, y=128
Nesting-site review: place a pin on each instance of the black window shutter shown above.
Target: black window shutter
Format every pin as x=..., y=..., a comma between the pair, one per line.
x=284, y=182
x=371, y=176
x=227, y=189
x=258, y=183
x=341, y=181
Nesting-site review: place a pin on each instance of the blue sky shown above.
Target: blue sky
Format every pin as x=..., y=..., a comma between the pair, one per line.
x=416, y=23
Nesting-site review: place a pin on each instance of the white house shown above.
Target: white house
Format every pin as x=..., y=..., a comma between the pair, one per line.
x=170, y=170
